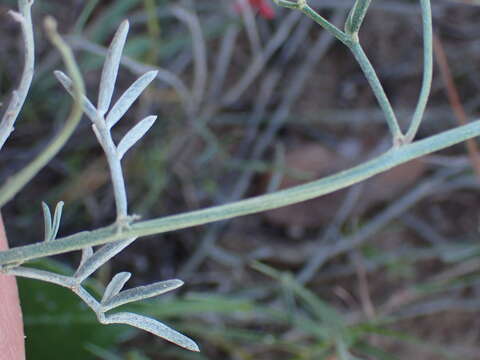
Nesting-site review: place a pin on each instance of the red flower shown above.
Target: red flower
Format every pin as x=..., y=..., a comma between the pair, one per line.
x=262, y=6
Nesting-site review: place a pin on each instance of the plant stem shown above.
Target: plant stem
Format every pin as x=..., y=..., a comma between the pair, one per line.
x=61, y=280
x=377, y=89
x=327, y=25
x=390, y=159
x=350, y=39
x=427, y=70
x=20, y=94
x=356, y=16
x=18, y=181
x=115, y=166
x=312, y=14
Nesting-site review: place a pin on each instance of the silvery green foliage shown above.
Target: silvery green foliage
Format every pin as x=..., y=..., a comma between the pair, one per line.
x=115, y=285
x=102, y=122
x=117, y=237
x=134, y=134
x=120, y=298
x=113, y=298
x=52, y=226
x=154, y=327
x=107, y=84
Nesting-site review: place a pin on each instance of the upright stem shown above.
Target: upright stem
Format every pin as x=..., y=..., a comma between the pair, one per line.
x=115, y=166
x=427, y=70
x=377, y=88
x=119, y=189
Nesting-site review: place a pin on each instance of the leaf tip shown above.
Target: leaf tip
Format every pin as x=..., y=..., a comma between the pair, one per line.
x=193, y=347
x=124, y=27
x=176, y=283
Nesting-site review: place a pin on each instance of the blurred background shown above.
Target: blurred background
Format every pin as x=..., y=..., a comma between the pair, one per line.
x=252, y=99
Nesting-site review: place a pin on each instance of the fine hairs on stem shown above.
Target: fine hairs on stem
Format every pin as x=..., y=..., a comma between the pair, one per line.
x=104, y=116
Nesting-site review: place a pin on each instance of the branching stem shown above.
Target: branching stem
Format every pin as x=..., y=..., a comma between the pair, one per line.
x=350, y=39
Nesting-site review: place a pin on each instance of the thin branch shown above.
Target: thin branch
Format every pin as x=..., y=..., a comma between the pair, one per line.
x=18, y=181
x=378, y=91
x=427, y=70
x=24, y=17
x=312, y=14
x=356, y=16
x=351, y=41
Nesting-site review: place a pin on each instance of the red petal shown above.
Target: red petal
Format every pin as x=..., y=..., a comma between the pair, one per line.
x=263, y=7
x=266, y=10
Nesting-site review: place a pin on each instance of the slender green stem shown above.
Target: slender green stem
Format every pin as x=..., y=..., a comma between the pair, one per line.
x=427, y=70
x=377, y=88
x=356, y=16
x=390, y=159
x=18, y=181
x=312, y=14
x=350, y=39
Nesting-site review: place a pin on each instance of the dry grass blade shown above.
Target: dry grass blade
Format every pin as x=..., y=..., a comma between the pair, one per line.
x=455, y=102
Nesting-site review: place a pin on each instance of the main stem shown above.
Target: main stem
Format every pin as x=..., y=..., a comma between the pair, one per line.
x=294, y=195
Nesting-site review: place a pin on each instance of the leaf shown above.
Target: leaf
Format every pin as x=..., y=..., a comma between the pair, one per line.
x=153, y=326
x=47, y=220
x=51, y=227
x=110, y=68
x=115, y=285
x=86, y=254
x=141, y=292
x=100, y=257
x=67, y=83
x=55, y=318
x=56, y=220
x=135, y=134
x=129, y=97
